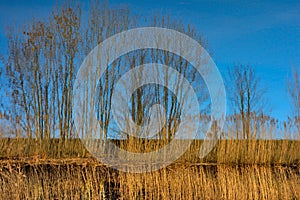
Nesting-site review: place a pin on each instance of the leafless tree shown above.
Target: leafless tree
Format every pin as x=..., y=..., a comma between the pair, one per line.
x=44, y=56
x=246, y=96
x=294, y=92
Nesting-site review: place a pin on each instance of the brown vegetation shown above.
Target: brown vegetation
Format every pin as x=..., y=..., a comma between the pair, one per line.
x=235, y=169
x=42, y=157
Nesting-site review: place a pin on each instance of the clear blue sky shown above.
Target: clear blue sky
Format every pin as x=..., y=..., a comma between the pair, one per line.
x=264, y=34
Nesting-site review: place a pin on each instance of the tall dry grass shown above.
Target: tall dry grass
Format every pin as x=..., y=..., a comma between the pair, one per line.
x=232, y=152
x=80, y=179
x=234, y=169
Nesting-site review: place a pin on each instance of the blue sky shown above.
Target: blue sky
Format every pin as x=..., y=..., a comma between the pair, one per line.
x=263, y=34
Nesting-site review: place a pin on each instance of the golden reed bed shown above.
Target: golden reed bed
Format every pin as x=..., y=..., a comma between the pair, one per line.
x=235, y=169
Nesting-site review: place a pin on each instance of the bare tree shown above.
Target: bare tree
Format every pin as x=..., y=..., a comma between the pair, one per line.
x=44, y=56
x=144, y=97
x=294, y=92
x=246, y=96
x=40, y=67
